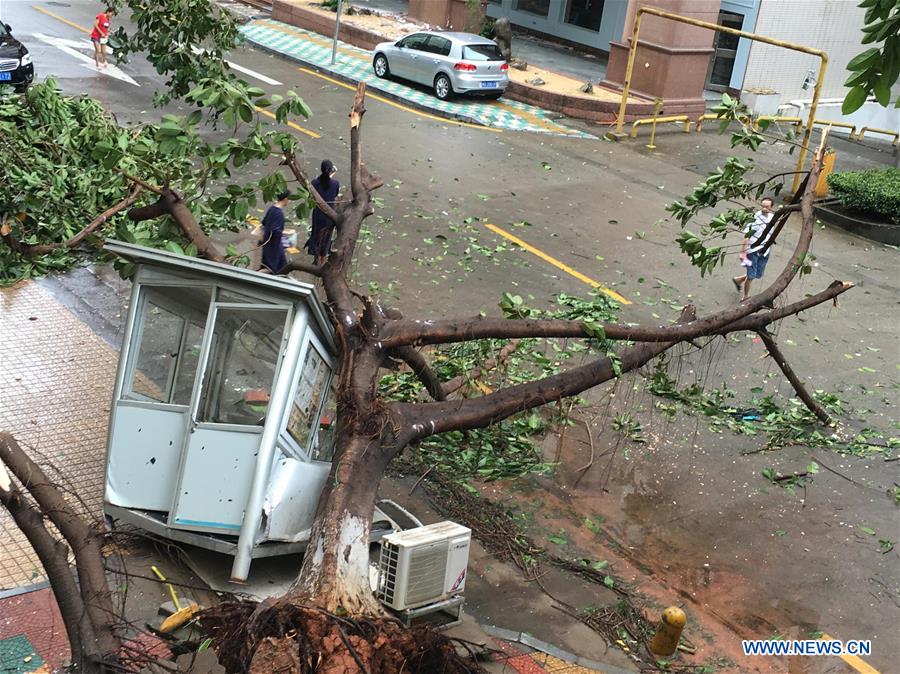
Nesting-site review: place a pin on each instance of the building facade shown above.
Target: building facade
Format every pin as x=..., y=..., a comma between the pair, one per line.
x=735, y=63
x=592, y=23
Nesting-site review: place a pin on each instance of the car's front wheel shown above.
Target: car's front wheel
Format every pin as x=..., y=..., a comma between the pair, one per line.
x=442, y=87
x=381, y=66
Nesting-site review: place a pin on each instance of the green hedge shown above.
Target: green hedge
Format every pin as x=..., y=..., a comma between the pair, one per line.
x=873, y=193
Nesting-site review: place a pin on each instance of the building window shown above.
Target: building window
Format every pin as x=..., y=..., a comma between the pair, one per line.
x=585, y=13
x=539, y=7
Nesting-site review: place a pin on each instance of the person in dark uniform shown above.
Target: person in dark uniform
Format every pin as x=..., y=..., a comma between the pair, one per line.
x=273, y=257
x=319, y=242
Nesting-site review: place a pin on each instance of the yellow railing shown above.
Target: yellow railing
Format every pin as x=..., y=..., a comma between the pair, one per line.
x=871, y=129
x=842, y=125
x=779, y=118
x=660, y=120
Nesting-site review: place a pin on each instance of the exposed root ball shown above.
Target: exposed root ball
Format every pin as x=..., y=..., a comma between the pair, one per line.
x=278, y=637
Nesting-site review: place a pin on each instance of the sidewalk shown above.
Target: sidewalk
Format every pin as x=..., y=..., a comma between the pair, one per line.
x=56, y=377
x=354, y=65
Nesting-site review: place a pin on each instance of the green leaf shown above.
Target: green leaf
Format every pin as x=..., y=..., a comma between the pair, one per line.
x=854, y=100
x=599, y=565
x=609, y=582
x=882, y=93
x=558, y=539
x=867, y=530
x=864, y=60
x=592, y=525
x=173, y=247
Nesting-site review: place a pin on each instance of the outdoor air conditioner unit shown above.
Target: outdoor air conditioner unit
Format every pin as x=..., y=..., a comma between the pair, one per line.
x=424, y=565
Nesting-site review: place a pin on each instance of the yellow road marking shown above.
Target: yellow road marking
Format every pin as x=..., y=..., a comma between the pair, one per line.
x=556, y=263
x=854, y=661
x=59, y=18
x=405, y=108
x=311, y=134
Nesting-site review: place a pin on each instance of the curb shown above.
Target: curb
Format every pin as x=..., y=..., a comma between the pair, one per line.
x=24, y=589
x=437, y=112
x=527, y=640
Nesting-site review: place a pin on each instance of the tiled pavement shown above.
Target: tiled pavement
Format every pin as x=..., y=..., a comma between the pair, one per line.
x=355, y=64
x=56, y=381
x=32, y=634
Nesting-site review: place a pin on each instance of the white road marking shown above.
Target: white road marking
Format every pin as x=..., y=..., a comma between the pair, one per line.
x=246, y=71
x=72, y=47
x=253, y=73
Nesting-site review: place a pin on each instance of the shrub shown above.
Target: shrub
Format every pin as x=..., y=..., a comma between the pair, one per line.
x=875, y=192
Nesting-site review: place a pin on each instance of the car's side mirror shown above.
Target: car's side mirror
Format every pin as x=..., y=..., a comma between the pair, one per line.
x=400, y=44
x=8, y=27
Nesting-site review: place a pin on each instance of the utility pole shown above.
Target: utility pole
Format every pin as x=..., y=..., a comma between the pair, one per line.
x=337, y=29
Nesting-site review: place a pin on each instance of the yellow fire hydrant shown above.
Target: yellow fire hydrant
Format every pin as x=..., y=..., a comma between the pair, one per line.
x=665, y=641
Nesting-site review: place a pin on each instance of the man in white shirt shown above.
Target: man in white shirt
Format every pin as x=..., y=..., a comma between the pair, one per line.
x=751, y=256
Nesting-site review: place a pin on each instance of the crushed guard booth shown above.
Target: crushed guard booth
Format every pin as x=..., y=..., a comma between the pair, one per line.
x=221, y=428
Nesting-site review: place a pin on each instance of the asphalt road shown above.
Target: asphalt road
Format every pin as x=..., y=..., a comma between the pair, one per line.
x=592, y=214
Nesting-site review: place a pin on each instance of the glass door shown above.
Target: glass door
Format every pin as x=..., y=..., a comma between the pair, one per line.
x=721, y=64
x=151, y=414
x=240, y=360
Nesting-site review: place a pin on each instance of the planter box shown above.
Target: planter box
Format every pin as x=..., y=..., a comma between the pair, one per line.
x=832, y=213
x=761, y=102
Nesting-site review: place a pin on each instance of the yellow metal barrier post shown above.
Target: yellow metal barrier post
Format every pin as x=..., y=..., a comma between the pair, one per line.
x=843, y=125
x=656, y=108
x=894, y=134
x=632, y=51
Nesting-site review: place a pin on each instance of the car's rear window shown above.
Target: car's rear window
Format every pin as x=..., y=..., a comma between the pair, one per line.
x=482, y=52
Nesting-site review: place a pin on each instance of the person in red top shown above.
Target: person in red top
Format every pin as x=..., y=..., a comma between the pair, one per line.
x=99, y=37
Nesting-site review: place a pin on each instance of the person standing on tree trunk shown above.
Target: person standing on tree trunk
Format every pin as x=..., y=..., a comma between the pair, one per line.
x=99, y=37
x=273, y=257
x=751, y=253
x=319, y=242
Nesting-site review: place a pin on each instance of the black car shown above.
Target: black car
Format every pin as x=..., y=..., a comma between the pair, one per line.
x=16, y=68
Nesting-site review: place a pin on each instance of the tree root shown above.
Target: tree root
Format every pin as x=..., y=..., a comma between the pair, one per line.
x=284, y=637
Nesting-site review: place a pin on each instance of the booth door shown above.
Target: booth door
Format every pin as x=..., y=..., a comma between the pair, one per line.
x=151, y=415
x=240, y=359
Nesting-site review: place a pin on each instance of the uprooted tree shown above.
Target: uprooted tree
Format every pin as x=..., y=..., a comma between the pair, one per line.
x=155, y=181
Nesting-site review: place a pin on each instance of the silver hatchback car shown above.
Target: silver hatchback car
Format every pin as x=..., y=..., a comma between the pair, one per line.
x=450, y=63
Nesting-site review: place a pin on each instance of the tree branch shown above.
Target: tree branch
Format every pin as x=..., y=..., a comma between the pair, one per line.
x=290, y=160
x=297, y=265
x=82, y=540
x=420, y=367
x=428, y=418
x=406, y=332
x=792, y=377
x=53, y=555
x=357, y=188
x=143, y=183
x=171, y=203
x=44, y=248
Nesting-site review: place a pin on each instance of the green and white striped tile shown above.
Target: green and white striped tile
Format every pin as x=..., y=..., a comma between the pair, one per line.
x=355, y=64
